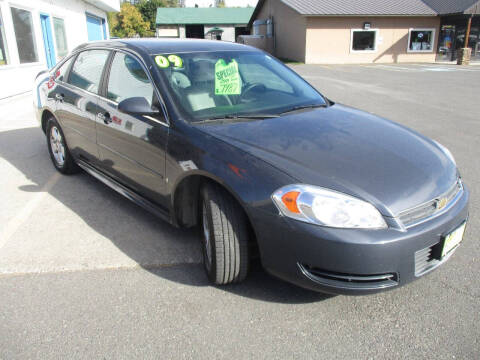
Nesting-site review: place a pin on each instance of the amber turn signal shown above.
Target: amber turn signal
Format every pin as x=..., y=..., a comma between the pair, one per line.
x=290, y=201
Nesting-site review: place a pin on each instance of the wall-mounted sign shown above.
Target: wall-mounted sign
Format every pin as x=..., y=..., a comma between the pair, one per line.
x=367, y=26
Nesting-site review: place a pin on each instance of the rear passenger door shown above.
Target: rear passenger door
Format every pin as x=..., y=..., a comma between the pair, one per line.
x=132, y=147
x=76, y=100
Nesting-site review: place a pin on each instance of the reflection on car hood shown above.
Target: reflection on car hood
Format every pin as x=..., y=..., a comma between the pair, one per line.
x=350, y=151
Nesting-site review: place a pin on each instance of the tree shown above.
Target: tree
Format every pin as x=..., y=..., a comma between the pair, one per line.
x=128, y=22
x=148, y=9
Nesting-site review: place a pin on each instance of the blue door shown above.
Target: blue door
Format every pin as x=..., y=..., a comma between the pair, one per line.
x=48, y=40
x=96, y=28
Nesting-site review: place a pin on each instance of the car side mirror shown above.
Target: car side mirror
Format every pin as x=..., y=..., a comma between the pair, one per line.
x=137, y=106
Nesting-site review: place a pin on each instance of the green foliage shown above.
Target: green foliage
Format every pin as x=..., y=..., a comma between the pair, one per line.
x=220, y=3
x=148, y=9
x=128, y=22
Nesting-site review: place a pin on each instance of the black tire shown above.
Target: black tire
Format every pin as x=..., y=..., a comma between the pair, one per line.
x=228, y=244
x=68, y=165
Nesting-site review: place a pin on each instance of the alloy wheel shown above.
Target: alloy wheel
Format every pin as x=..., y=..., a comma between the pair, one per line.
x=57, y=146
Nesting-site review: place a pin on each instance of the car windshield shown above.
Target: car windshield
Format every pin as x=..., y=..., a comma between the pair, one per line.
x=232, y=84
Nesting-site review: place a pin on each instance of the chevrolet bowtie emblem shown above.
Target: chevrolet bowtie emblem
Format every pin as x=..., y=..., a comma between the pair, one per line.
x=441, y=203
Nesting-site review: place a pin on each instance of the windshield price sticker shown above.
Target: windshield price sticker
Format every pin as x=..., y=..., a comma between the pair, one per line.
x=165, y=61
x=227, y=78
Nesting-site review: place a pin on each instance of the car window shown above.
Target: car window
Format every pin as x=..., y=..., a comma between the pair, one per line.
x=256, y=73
x=128, y=79
x=218, y=84
x=87, y=70
x=61, y=72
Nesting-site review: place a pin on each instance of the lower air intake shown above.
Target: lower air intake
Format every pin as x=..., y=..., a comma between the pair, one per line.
x=349, y=281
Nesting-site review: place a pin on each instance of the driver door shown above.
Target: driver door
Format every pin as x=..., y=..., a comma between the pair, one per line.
x=132, y=147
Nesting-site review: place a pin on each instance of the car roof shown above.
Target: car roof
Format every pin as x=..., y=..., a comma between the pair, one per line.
x=159, y=46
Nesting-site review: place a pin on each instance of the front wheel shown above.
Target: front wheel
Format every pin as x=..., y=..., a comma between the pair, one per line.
x=224, y=235
x=57, y=147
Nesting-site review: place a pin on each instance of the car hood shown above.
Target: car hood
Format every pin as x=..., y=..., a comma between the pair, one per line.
x=348, y=150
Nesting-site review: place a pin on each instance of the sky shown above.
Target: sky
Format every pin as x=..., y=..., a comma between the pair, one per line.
x=228, y=3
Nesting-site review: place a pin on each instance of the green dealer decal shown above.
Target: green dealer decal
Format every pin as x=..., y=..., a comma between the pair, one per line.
x=176, y=60
x=164, y=62
x=227, y=78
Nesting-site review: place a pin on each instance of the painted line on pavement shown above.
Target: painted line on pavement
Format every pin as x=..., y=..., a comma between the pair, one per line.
x=136, y=266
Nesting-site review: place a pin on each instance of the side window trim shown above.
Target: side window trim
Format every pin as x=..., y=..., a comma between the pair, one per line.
x=106, y=75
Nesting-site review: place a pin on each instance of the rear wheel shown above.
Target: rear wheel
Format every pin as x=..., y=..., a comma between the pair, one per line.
x=224, y=236
x=57, y=147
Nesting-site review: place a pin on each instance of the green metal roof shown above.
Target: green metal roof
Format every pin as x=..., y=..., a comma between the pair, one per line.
x=213, y=16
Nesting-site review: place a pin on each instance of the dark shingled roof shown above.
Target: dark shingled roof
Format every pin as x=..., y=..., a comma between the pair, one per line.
x=444, y=7
x=361, y=7
x=377, y=7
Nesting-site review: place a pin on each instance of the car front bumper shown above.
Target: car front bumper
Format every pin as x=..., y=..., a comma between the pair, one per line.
x=353, y=261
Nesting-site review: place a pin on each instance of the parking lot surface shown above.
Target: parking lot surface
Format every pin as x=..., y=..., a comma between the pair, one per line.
x=84, y=273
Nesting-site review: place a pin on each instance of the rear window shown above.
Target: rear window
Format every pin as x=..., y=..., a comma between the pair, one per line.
x=87, y=70
x=61, y=73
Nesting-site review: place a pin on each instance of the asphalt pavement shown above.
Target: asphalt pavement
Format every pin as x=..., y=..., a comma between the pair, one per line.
x=84, y=273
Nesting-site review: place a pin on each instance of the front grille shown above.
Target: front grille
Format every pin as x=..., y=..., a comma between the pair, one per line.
x=351, y=281
x=431, y=208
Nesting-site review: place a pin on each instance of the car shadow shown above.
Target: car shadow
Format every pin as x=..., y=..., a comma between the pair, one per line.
x=163, y=250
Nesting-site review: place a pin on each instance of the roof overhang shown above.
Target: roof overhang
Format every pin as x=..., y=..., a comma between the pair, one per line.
x=371, y=15
x=261, y=3
x=474, y=9
x=105, y=5
x=215, y=29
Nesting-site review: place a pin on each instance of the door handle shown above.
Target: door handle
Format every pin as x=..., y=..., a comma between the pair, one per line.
x=105, y=117
x=59, y=97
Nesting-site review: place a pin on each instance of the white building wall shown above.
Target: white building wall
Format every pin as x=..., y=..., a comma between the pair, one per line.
x=16, y=78
x=228, y=31
x=182, y=31
x=170, y=31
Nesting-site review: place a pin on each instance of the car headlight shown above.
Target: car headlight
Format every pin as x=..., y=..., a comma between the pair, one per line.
x=325, y=207
x=446, y=152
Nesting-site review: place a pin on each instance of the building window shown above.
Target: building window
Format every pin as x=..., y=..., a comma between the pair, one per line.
x=60, y=37
x=421, y=40
x=364, y=40
x=25, y=36
x=3, y=43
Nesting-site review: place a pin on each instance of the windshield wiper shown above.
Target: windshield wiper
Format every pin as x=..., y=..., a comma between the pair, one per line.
x=301, y=107
x=237, y=117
